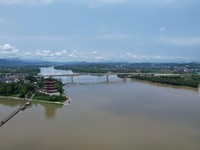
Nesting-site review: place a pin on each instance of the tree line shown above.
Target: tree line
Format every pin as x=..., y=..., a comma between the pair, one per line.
x=184, y=80
x=17, y=89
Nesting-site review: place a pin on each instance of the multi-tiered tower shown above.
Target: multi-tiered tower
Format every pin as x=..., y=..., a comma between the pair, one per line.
x=49, y=87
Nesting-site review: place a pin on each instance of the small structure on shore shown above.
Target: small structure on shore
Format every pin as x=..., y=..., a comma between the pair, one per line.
x=49, y=87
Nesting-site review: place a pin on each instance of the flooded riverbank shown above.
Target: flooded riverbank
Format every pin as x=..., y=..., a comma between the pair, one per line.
x=110, y=116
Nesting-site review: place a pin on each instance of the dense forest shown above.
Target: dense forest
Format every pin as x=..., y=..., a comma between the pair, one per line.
x=132, y=67
x=183, y=80
x=21, y=89
x=31, y=70
x=53, y=98
x=17, y=89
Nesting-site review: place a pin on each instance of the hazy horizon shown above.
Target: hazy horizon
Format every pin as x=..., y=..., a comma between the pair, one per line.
x=95, y=61
x=100, y=30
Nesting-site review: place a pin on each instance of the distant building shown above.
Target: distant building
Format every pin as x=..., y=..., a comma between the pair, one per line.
x=2, y=79
x=27, y=81
x=49, y=87
x=184, y=69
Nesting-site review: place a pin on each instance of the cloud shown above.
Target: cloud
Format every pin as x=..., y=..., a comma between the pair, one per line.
x=26, y=2
x=34, y=38
x=92, y=3
x=94, y=53
x=2, y=20
x=67, y=54
x=44, y=53
x=156, y=58
x=106, y=1
x=97, y=3
x=76, y=54
x=135, y=57
x=7, y=49
x=26, y=54
x=97, y=56
x=61, y=53
x=48, y=53
x=131, y=55
x=112, y=36
x=162, y=29
x=165, y=1
x=36, y=2
x=182, y=41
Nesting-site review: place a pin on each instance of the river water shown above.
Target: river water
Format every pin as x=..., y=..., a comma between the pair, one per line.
x=116, y=115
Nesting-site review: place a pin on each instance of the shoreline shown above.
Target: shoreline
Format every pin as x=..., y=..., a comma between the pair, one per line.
x=58, y=103
x=165, y=85
x=192, y=81
x=38, y=101
x=11, y=97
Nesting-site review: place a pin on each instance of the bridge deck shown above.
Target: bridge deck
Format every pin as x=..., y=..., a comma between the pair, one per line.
x=106, y=74
x=24, y=106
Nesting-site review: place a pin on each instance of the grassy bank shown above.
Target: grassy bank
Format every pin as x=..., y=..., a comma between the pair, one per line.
x=45, y=97
x=183, y=80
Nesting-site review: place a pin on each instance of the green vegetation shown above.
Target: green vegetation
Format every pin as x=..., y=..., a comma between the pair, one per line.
x=21, y=89
x=46, y=97
x=31, y=78
x=16, y=89
x=25, y=74
x=52, y=98
x=59, y=86
x=183, y=80
x=31, y=70
x=184, y=69
x=85, y=67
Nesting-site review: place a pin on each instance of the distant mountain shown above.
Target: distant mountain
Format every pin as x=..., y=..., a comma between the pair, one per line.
x=14, y=59
x=18, y=62
x=5, y=62
x=24, y=62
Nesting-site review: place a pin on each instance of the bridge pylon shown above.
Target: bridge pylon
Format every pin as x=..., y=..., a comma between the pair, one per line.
x=107, y=78
x=72, y=79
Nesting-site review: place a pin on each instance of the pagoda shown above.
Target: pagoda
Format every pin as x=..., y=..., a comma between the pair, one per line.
x=49, y=87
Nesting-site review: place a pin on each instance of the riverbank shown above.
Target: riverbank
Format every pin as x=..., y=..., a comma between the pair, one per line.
x=11, y=97
x=183, y=80
x=68, y=100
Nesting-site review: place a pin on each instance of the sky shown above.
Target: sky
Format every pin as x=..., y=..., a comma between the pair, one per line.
x=100, y=30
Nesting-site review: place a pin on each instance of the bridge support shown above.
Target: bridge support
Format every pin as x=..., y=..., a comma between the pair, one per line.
x=72, y=79
x=107, y=78
x=124, y=78
x=23, y=107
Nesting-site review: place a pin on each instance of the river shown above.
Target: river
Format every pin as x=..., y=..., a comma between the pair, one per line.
x=116, y=115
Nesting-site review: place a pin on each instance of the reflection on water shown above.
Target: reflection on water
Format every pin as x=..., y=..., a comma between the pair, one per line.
x=166, y=85
x=11, y=103
x=49, y=109
x=88, y=79
x=111, y=116
x=83, y=79
x=52, y=71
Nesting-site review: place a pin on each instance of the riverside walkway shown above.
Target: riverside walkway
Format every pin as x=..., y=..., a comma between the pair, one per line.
x=23, y=107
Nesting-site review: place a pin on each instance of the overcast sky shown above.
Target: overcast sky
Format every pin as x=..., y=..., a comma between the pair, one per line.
x=101, y=30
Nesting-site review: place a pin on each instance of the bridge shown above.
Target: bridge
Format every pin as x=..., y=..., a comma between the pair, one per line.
x=23, y=107
x=122, y=75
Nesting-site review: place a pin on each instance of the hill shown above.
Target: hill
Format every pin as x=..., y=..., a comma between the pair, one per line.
x=19, y=62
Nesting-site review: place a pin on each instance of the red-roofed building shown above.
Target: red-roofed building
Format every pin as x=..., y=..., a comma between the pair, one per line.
x=49, y=87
